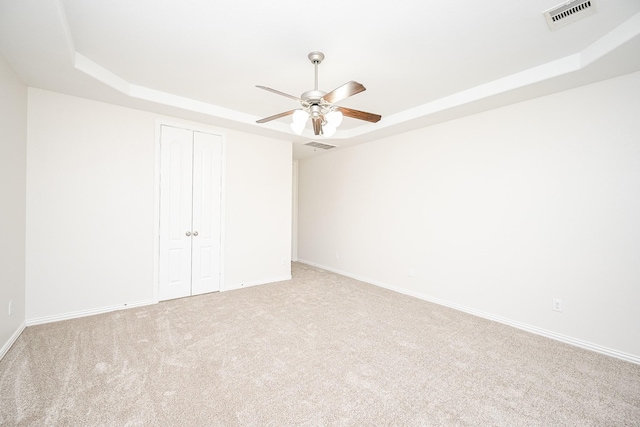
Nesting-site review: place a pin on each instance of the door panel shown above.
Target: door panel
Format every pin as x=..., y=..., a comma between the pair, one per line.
x=207, y=163
x=175, y=273
x=176, y=169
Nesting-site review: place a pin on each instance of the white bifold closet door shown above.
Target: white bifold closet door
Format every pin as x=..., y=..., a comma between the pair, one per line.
x=190, y=212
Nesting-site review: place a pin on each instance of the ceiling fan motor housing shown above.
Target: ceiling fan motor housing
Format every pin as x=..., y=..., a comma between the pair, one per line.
x=313, y=96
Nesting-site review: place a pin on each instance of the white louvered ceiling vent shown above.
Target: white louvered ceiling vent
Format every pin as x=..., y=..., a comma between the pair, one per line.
x=321, y=145
x=568, y=12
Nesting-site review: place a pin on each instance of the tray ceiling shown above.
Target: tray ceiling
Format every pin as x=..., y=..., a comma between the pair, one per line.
x=422, y=62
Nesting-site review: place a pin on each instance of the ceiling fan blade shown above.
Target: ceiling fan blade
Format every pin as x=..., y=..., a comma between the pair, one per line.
x=360, y=115
x=343, y=92
x=277, y=116
x=317, y=125
x=295, y=98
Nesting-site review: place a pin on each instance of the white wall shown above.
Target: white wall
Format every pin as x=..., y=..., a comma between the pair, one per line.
x=258, y=210
x=90, y=207
x=497, y=213
x=13, y=173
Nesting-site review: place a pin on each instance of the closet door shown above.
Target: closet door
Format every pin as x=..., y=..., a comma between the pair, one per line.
x=190, y=212
x=176, y=190
x=207, y=161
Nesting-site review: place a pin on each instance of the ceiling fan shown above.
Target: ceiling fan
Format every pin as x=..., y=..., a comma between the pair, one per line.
x=320, y=106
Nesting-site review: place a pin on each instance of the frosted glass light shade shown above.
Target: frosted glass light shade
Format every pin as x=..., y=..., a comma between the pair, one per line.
x=298, y=127
x=300, y=116
x=334, y=118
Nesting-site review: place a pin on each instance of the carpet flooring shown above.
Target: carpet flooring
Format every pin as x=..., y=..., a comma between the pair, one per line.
x=318, y=350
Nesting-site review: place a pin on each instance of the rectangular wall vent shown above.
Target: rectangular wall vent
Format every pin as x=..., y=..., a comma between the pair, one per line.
x=321, y=145
x=568, y=12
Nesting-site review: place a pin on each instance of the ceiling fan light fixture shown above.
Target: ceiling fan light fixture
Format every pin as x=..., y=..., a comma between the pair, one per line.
x=315, y=111
x=319, y=105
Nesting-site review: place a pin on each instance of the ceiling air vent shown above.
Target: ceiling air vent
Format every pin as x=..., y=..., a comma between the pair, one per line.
x=321, y=145
x=568, y=12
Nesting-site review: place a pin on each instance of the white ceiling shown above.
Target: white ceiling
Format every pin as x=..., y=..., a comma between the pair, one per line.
x=422, y=61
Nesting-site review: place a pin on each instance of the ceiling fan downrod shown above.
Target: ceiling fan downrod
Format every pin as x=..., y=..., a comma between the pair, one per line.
x=316, y=59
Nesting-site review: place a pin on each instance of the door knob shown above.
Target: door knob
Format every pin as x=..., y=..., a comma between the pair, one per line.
x=195, y=233
x=188, y=233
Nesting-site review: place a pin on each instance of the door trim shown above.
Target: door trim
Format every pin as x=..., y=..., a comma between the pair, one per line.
x=294, y=212
x=156, y=197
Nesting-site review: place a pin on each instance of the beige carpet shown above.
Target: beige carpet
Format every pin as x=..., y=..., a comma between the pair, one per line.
x=319, y=350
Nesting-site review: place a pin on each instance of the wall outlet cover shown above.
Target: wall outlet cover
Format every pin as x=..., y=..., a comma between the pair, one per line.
x=557, y=305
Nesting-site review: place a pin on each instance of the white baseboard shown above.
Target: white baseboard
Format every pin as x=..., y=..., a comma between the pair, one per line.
x=83, y=313
x=523, y=326
x=14, y=337
x=100, y=310
x=257, y=282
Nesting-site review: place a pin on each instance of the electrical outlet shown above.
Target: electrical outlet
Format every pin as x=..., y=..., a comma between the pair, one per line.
x=557, y=305
x=337, y=255
x=283, y=261
x=10, y=304
x=411, y=272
